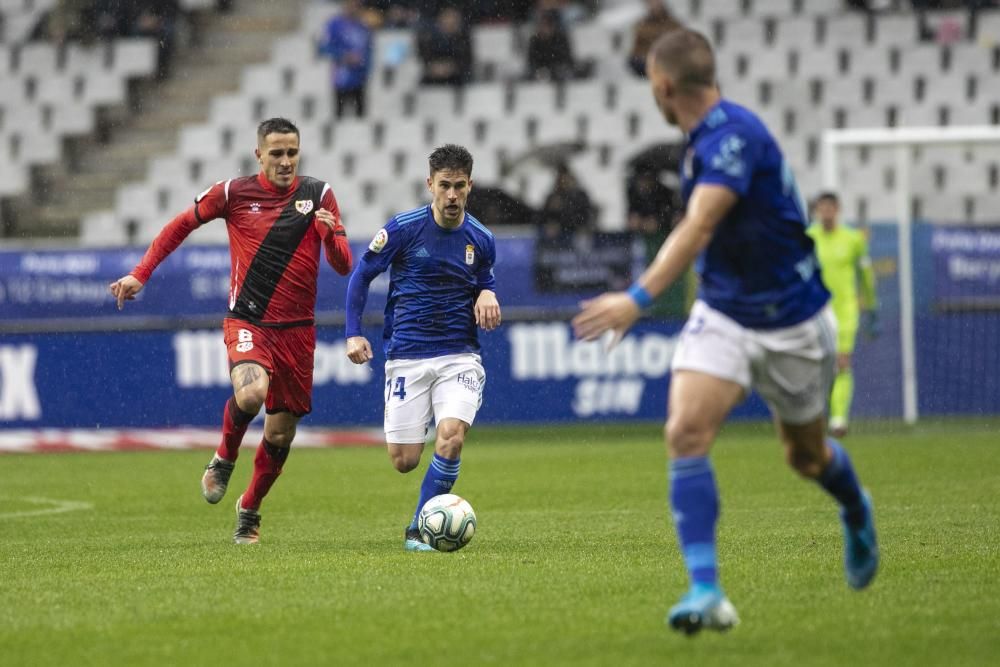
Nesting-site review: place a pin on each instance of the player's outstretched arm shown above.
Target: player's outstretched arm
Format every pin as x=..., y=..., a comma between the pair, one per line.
x=617, y=311
x=124, y=289
x=487, y=310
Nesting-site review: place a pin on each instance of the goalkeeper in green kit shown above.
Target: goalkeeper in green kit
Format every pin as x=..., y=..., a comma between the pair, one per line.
x=847, y=273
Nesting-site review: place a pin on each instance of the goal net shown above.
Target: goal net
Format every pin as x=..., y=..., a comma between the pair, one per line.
x=931, y=201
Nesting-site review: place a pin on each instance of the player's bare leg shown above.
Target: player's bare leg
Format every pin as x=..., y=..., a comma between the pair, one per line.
x=250, y=384
x=814, y=456
x=441, y=473
x=699, y=403
x=279, y=431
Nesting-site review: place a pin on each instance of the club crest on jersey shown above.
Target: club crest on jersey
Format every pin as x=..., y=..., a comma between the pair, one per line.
x=470, y=254
x=304, y=206
x=381, y=238
x=255, y=207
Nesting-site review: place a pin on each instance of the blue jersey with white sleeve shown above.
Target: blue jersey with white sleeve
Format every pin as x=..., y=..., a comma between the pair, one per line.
x=759, y=268
x=435, y=277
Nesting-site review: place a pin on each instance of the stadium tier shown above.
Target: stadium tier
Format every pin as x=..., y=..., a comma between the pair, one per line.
x=806, y=66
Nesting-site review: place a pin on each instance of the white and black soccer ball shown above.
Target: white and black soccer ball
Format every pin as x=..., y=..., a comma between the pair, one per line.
x=447, y=522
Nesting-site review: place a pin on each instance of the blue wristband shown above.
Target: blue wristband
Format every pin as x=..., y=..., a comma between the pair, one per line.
x=640, y=296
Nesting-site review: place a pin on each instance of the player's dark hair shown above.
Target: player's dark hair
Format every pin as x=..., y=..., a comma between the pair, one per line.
x=275, y=126
x=686, y=55
x=827, y=195
x=451, y=157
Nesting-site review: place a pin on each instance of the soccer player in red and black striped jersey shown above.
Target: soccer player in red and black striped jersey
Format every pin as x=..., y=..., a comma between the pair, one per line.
x=277, y=222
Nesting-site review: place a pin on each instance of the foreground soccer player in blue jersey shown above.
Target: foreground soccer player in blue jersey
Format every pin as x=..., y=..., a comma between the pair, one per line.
x=761, y=321
x=441, y=286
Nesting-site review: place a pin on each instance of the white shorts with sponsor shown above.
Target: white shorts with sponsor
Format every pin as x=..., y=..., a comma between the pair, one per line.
x=421, y=391
x=792, y=368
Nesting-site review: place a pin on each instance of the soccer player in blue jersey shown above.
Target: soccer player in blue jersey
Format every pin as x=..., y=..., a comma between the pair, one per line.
x=762, y=321
x=441, y=287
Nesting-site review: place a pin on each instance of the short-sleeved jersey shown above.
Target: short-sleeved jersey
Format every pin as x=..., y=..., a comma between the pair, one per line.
x=842, y=252
x=435, y=276
x=759, y=268
x=274, y=245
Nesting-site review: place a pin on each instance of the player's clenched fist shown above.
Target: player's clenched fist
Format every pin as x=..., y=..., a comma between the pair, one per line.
x=487, y=310
x=124, y=289
x=326, y=219
x=359, y=350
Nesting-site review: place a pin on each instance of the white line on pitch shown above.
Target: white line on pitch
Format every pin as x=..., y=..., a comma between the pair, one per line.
x=58, y=507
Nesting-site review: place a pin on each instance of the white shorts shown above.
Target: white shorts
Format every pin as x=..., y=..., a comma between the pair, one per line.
x=792, y=368
x=420, y=391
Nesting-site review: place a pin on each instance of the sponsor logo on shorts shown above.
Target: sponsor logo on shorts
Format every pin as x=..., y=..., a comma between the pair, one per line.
x=246, y=341
x=381, y=238
x=469, y=382
x=304, y=206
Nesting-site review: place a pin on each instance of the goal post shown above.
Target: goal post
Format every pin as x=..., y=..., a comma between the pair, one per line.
x=902, y=142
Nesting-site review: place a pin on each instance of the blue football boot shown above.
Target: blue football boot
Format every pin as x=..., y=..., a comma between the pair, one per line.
x=412, y=542
x=860, y=548
x=703, y=606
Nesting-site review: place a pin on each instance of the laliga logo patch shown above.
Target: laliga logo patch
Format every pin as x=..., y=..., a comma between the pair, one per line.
x=304, y=206
x=470, y=254
x=381, y=238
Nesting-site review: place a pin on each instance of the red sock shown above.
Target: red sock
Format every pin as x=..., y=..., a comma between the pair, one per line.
x=266, y=468
x=234, y=426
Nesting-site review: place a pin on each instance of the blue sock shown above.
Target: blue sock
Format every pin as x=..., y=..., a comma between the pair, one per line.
x=839, y=480
x=440, y=477
x=694, y=500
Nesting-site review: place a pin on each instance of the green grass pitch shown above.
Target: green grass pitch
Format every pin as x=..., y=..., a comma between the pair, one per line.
x=575, y=562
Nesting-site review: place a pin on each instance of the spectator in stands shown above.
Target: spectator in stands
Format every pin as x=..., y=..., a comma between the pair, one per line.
x=567, y=209
x=62, y=23
x=104, y=19
x=393, y=13
x=550, y=55
x=657, y=21
x=348, y=44
x=156, y=19
x=652, y=210
x=446, y=49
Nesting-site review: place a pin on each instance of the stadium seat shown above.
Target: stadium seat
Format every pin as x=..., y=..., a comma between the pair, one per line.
x=438, y=103
x=797, y=34
x=494, y=53
x=586, y=96
x=135, y=57
x=986, y=209
x=484, y=100
x=595, y=41
x=38, y=59
x=743, y=34
x=102, y=229
x=846, y=31
x=103, y=88
x=896, y=30
x=534, y=98
x=988, y=27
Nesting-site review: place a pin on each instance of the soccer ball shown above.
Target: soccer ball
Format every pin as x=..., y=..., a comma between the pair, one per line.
x=447, y=522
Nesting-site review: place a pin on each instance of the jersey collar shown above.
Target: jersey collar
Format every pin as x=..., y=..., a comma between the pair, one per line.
x=271, y=187
x=713, y=118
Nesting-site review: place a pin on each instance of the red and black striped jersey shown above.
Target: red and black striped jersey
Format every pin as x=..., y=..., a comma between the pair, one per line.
x=274, y=245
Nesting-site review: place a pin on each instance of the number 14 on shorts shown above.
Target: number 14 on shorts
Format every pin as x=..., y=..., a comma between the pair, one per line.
x=399, y=391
